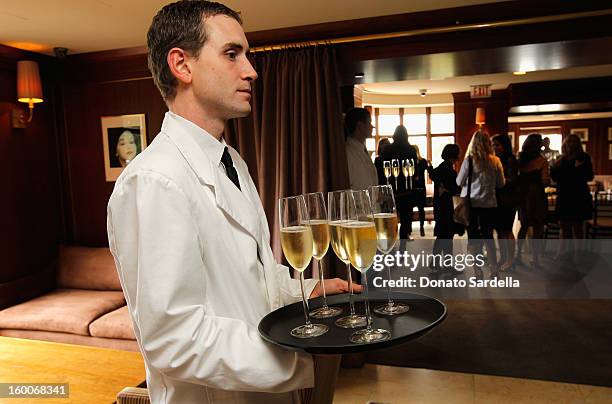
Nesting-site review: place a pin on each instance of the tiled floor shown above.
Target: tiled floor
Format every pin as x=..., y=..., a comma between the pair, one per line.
x=395, y=385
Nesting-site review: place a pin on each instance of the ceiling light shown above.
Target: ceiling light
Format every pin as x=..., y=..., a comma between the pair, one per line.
x=519, y=73
x=359, y=75
x=423, y=92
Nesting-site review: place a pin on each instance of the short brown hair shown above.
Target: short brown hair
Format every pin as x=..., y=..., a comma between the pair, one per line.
x=179, y=25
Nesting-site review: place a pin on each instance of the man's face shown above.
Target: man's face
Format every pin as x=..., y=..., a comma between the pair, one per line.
x=366, y=127
x=222, y=75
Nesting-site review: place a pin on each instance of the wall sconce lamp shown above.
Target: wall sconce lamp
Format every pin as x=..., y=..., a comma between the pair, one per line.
x=480, y=117
x=29, y=90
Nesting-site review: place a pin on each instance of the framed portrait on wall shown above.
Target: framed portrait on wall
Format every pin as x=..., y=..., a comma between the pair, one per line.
x=582, y=133
x=123, y=137
x=610, y=134
x=610, y=152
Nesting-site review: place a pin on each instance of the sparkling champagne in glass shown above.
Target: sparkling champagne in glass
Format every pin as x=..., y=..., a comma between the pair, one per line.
x=296, y=241
x=337, y=214
x=385, y=220
x=320, y=236
x=361, y=242
x=411, y=170
x=387, y=170
x=395, y=169
x=405, y=171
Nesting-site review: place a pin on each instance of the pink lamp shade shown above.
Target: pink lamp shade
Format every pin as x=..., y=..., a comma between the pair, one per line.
x=29, y=89
x=480, y=116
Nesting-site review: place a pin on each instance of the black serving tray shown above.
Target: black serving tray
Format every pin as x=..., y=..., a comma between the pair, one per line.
x=424, y=314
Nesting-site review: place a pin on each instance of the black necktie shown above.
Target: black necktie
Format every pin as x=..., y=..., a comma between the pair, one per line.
x=231, y=172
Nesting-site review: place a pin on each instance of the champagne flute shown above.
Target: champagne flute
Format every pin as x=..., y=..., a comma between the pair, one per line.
x=405, y=165
x=296, y=240
x=385, y=220
x=360, y=242
x=317, y=213
x=337, y=214
x=387, y=170
x=395, y=169
x=411, y=170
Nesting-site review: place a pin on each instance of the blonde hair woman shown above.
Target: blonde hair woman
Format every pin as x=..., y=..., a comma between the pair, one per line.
x=487, y=176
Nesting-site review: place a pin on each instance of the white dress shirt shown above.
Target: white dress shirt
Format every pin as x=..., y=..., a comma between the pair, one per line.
x=193, y=256
x=362, y=172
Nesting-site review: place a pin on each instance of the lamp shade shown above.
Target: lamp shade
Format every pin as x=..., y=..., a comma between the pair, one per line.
x=29, y=89
x=480, y=116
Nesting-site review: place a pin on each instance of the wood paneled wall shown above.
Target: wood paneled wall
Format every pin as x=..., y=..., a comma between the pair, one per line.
x=597, y=146
x=114, y=86
x=30, y=197
x=496, y=111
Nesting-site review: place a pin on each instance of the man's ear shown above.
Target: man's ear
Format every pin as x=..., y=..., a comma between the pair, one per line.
x=178, y=62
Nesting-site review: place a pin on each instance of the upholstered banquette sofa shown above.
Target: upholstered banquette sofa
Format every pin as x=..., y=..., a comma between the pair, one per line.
x=86, y=308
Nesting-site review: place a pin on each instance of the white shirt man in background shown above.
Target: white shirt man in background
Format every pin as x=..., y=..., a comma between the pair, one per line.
x=362, y=172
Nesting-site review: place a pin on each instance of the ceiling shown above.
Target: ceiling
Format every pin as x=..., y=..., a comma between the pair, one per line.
x=498, y=81
x=96, y=25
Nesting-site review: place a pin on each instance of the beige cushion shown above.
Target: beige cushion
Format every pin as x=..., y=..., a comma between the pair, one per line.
x=111, y=343
x=87, y=268
x=62, y=310
x=116, y=324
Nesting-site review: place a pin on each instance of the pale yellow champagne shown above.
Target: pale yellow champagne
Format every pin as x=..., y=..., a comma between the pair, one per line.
x=320, y=237
x=396, y=170
x=360, y=243
x=405, y=171
x=386, y=230
x=337, y=241
x=387, y=171
x=411, y=171
x=297, y=246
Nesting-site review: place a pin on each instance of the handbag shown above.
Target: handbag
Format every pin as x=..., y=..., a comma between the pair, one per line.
x=462, y=205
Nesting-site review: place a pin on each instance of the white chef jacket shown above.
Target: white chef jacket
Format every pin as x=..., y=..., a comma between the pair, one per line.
x=185, y=241
x=362, y=172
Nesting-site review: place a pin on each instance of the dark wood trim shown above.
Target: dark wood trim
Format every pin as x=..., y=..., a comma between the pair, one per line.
x=10, y=53
x=108, y=55
x=420, y=20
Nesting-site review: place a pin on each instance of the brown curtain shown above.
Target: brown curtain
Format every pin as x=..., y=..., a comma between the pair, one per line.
x=293, y=141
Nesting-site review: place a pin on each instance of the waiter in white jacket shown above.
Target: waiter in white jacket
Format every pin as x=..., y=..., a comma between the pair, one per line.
x=190, y=237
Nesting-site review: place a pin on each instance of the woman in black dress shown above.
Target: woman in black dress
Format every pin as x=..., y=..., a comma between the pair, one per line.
x=533, y=177
x=422, y=165
x=445, y=186
x=572, y=171
x=507, y=200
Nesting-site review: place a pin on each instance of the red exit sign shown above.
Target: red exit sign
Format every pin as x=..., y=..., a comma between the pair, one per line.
x=480, y=91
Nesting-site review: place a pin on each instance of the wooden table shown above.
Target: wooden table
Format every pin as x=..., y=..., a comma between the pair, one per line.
x=95, y=375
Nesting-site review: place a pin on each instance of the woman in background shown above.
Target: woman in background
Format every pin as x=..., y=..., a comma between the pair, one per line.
x=533, y=178
x=445, y=187
x=572, y=171
x=421, y=166
x=378, y=161
x=487, y=176
x=507, y=200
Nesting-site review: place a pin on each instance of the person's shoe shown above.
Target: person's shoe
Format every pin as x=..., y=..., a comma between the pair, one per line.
x=422, y=232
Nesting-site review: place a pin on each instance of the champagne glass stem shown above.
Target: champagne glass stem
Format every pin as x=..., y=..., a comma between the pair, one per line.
x=350, y=285
x=367, y=301
x=395, y=182
x=387, y=180
x=406, y=182
x=389, y=288
x=321, y=278
x=304, y=301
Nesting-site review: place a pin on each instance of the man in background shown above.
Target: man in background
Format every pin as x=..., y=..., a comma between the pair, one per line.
x=362, y=173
